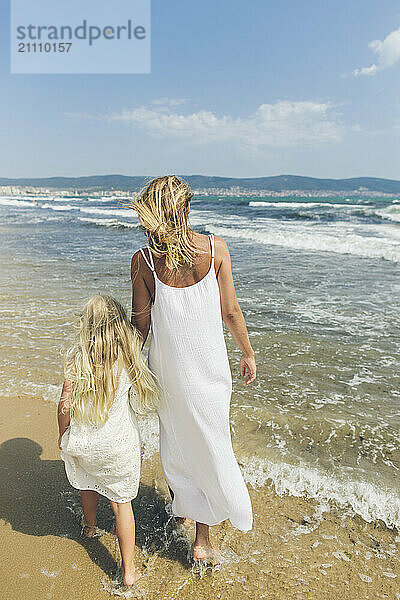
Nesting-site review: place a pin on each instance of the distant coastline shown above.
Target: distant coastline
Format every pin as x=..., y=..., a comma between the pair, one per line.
x=280, y=185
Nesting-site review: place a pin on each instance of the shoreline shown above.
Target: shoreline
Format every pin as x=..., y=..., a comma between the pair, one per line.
x=296, y=549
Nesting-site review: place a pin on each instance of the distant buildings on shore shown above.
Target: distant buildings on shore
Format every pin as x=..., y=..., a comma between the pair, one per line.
x=237, y=191
x=37, y=192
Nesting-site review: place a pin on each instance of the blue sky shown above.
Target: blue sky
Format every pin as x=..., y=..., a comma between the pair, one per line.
x=238, y=89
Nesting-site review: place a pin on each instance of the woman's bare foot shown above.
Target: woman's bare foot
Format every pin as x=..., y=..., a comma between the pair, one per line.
x=91, y=531
x=132, y=576
x=206, y=553
x=203, y=550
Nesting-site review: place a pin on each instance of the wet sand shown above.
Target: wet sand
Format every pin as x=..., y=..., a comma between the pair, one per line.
x=295, y=551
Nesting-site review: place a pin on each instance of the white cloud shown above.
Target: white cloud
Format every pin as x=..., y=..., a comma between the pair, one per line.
x=387, y=54
x=281, y=124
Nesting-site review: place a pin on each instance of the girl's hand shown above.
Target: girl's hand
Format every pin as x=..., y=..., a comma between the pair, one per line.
x=248, y=363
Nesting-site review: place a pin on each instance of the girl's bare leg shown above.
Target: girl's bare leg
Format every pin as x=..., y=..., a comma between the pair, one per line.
x=203, y=549
x=125, y=523
x=90, y=500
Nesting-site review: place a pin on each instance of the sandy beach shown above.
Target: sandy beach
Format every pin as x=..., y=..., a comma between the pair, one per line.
x=296, y=550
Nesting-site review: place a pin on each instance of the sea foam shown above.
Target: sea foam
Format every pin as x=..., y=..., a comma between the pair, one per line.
x=113, y=223
x=60, y=207
x=316, y=241
x=391, y=212
x=120, y=212
x=19, y=203
x=366, y=499
x=261, y=203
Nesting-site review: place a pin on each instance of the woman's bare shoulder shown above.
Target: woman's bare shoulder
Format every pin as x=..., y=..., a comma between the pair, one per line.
x=136, y=257
x=138, y=264
x=221, y=247
x=135, y=261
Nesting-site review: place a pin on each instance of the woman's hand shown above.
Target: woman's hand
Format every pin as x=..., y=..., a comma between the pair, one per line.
x=231, y=312
x=248, y=363
x=64, y=410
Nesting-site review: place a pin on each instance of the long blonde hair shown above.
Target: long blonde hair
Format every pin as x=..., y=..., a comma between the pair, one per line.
x=105, y=342
x=162, y=208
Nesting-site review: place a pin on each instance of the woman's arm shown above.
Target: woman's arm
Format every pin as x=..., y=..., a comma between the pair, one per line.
x=141, y=297
x=64, y=409
x=231, y=312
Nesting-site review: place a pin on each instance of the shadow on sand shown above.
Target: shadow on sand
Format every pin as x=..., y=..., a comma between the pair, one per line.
x=36, y=499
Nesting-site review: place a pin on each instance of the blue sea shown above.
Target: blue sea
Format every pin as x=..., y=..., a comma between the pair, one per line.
x=318, y=282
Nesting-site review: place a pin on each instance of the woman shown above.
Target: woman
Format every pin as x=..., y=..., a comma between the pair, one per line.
x=181, y=287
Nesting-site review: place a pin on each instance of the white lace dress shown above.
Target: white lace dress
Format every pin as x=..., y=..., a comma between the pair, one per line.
x=106, y=459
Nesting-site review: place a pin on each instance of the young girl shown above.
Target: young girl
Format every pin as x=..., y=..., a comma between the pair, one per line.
x=98, y=431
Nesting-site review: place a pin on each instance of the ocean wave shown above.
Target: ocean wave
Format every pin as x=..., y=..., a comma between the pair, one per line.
x=113, y=223
x=309, y=240
x=87, y=199
x=391, y=212
x=62, y=199
x=301, y=204
x=120, y=212
x=60, y=207
x=91, y=210
x=108, y=199
x=18, y=203
x=366, y=499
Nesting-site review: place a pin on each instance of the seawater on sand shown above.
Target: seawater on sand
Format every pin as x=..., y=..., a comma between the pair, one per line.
x=298, y=548
x=317, y=436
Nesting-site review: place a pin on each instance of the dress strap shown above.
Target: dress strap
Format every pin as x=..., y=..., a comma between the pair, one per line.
x=151, y=263
x=211, y=236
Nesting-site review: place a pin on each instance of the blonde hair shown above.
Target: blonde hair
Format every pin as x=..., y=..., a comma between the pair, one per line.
x=162, y=209
x=106, y=339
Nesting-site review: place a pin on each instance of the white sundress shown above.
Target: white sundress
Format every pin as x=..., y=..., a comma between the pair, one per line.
x=188, y=355
x=106, y=459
